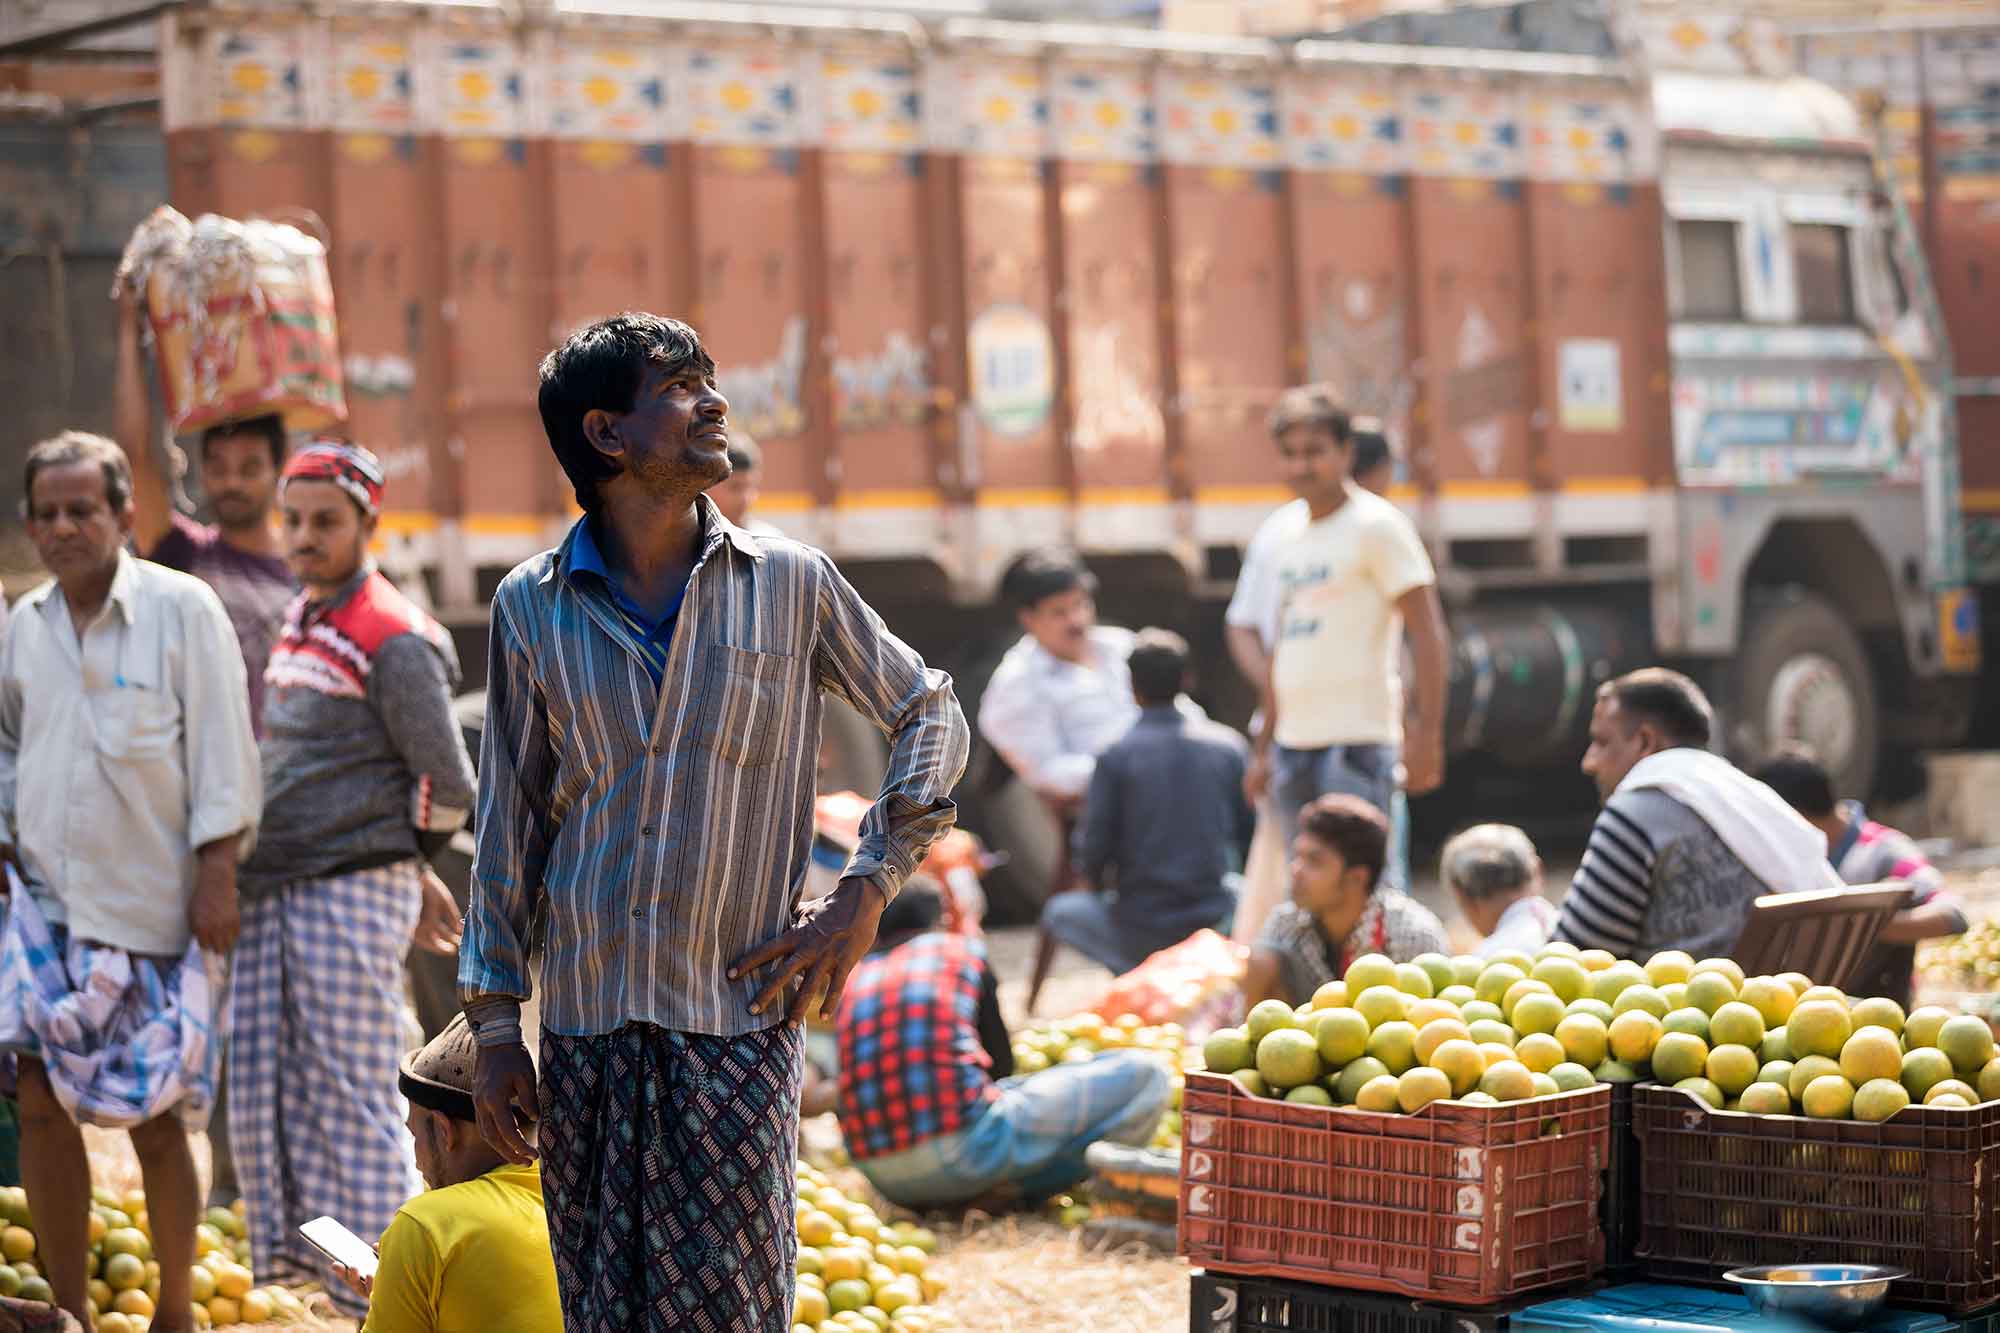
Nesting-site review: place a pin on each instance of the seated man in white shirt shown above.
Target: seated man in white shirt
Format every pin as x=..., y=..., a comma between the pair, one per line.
x=1496, y=876
x=1063, y=694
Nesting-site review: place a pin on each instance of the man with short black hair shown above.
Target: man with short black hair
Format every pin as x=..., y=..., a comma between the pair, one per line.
x=1063, y=694
x=1340, y=909
x=128, y=793
x=1164, y=826
x=1349, y=577
x=655, y=687
x=1686, y=842
x=366, y=777
x=1865, y=852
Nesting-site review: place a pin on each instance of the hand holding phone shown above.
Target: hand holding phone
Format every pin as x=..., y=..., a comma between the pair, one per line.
x=342, y=1246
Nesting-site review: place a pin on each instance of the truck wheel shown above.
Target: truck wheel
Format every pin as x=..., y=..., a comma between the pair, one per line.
x=1804, y=678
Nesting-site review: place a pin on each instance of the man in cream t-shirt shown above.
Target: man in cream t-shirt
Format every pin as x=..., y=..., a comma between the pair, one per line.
x=1348, y=581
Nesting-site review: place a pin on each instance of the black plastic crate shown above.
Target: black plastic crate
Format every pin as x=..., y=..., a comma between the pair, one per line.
x=1225, y=1303
x=1618, y=1209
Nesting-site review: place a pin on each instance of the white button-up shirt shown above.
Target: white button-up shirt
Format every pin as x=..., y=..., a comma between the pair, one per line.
x=1050, y=718
x=123, y=751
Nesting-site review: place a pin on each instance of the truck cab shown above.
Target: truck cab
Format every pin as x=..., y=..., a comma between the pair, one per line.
x=1821, y=585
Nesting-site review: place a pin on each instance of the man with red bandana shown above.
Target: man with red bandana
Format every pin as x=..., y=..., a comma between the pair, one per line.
x=365, y=777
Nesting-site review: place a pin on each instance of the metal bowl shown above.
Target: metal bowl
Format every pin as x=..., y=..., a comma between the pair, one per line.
x=1829, y=1295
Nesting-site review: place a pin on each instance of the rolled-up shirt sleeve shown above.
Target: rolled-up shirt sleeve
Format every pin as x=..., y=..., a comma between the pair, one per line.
x=513, y=831
x=857, y=658
x=225, y=783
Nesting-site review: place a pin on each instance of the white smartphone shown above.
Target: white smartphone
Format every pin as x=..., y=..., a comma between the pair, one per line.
x=339, y=1244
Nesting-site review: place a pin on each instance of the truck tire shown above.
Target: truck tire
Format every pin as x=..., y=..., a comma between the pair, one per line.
x=1804, y=677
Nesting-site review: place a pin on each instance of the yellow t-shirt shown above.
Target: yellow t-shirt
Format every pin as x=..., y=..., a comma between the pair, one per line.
x=1335, y=670
x=469, y=1258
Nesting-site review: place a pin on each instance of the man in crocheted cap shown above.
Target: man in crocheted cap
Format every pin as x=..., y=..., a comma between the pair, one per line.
x=365, y=779
x=472, y=1251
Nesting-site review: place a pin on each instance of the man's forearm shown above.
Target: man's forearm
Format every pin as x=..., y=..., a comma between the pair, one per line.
x=1927, y=921
x=1246, y=650
x=1430, y=660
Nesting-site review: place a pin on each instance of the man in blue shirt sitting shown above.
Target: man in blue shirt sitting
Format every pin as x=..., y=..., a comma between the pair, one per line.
x=1164, y=826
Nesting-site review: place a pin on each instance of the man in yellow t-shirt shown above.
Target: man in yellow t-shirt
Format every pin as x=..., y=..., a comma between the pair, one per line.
x=470, y=1254
x=1349, y=578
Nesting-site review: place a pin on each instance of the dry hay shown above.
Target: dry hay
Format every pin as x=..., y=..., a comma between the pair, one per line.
x=1026, y=1274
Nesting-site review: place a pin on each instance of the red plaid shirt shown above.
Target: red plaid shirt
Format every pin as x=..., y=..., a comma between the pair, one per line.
x=912, y=1066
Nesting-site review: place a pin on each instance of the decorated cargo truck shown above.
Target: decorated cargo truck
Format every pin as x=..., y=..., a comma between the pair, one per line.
x=1659, y=353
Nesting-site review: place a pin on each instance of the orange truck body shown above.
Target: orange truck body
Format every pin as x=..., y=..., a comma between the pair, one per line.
x=977, y=287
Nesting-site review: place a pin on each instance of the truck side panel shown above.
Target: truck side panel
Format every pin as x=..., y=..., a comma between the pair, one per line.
x=1054, y=304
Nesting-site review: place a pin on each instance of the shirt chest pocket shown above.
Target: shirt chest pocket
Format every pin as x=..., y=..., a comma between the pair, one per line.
x=135, y=723
x=751, y=702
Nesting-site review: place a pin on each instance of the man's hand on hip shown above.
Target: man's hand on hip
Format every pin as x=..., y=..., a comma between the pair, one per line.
x=504, y=1099
x=831, y=936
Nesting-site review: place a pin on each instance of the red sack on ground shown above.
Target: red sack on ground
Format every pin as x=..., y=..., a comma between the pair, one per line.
x=1176, y=984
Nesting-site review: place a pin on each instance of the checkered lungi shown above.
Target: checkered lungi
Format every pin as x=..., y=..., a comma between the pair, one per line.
x=668, y=1165
x=316, y=1122
x=124, y=1038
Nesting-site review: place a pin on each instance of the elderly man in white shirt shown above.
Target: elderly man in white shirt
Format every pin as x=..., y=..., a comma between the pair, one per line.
x=1063, y=694
x=129, y=789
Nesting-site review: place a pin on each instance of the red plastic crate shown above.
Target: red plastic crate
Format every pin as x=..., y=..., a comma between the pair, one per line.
x=1724, y=1189
x=1462, y=1204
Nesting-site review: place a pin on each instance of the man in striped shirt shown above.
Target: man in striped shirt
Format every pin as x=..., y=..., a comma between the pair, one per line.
x=1685, y=842
x=647, y=772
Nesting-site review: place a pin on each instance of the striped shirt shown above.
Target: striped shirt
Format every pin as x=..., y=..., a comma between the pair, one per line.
x=1655, y=876
x=668, y=827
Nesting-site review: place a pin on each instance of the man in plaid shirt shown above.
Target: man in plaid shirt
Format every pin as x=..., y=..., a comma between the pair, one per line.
x=928, y=1107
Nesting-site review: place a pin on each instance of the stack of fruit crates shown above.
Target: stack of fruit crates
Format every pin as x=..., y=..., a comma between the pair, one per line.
x=1460, y=1203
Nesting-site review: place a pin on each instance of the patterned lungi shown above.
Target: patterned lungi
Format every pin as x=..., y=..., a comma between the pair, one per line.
x=124, y=1038
x=316, y=1121
x=668, y=1167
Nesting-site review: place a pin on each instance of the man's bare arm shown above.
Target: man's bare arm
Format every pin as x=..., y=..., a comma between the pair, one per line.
x=132, y=418
x=1430, y=652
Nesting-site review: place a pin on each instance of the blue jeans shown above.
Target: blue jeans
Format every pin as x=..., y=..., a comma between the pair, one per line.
x=1300, y=777
x=1086, y=923
x=1033, y=1136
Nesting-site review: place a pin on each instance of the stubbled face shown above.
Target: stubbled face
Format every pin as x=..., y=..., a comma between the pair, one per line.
x=676, y=433
x=325, y=535
x=1062, y=622
x=1315, y=463
x=72, y=524
x=1617, y=742
x=240, y=479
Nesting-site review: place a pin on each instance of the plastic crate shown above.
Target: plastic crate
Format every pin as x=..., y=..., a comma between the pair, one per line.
x=1618, y=1212
x=1222, y=1303
x=1463, y=1204
x=1921, y=1190
x=1654, y=1308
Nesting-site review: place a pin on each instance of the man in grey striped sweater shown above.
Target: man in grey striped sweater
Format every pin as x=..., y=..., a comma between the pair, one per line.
x=1685, y=842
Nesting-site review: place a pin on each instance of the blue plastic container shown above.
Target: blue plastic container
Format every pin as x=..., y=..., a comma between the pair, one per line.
x=1658, y=1308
